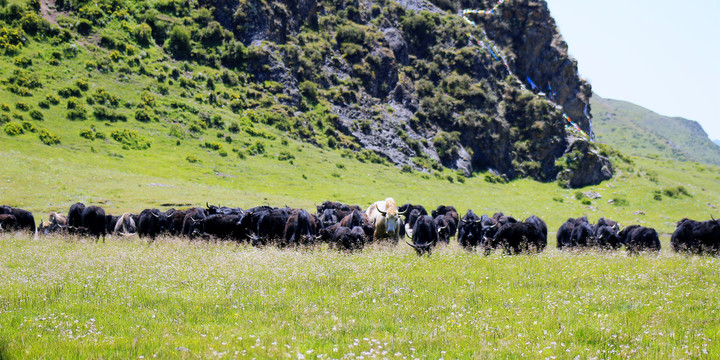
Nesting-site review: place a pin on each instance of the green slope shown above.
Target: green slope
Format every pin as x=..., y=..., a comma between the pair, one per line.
x=639, y=131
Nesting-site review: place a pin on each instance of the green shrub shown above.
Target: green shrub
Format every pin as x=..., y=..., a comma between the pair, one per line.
x=36, y=115
x=84, y=27
x=22, y=106
x=130, y=139
x=44, y=104
x=87, y=134
x=406, y=168
x=100, y=135
x=104, y=114
x=178, y=42
x=52, y=99
x=13, y=128
x=82, y=85
x=285, y=156
x=4, y=107
x=212, y=145
x=495, y=178
x=618, y=201
x=23, y=61
x=192, y=159
x=257, y=148
x=308, y=89
x=258, y=133
x=143, y=34
x=144, y=115
x=369, y=156
x=70, y=91
x=586, y=201
x=446, y=144
x=48, y=138
x=234, y=128
x=4, y=118
x=29, y=127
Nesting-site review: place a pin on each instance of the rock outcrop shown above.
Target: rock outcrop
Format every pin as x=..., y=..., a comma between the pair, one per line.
x=407, y=82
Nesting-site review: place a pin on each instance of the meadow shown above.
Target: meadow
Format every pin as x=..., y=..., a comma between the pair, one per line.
x=74, y=298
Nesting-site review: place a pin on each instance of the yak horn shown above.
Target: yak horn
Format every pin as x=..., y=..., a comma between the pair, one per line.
x=413, y=245
x=207, y=205
x=383, y=213
x=155, y=215
x=478, y=221
x=442, y=228
x=712, y=217
x=404, y=212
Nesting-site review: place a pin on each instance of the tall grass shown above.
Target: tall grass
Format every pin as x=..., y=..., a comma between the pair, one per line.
x=74, y=298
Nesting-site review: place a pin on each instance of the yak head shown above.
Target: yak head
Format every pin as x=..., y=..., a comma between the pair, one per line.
x=391, y=215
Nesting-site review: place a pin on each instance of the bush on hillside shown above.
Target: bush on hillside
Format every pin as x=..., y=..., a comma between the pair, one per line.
x=13, y=128
x=48, y=138
x=130, y=139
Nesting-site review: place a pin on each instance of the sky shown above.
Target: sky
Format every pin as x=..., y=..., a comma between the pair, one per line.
x=662, y=55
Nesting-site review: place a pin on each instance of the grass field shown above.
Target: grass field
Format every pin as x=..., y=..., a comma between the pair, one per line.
x=73, y=298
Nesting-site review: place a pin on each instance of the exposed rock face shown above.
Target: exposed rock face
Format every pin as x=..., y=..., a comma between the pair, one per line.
x=585, y=166
x=412, y=86
x=539, y=52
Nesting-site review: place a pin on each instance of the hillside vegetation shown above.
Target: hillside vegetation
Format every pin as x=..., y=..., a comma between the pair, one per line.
x=378, y=82
x=638, y=131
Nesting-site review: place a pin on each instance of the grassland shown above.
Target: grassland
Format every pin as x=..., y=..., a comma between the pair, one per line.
x=73, y=298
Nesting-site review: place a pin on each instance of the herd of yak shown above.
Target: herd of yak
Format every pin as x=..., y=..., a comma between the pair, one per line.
x=349, y=227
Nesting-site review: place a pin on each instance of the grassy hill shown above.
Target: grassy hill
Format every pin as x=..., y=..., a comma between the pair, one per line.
x=638, y=131
x=113, y=118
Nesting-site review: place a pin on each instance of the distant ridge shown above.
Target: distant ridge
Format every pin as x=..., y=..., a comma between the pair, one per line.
x=639, y=131
x=717, y=142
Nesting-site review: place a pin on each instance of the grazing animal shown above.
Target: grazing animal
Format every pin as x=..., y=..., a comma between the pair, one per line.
x=574, y=233
x=470, y=231
x=224, y=226
x=125, y=225
x=300, y=229
x=24, y=218
x=582, y=234
x=329, y=217
x=526, y=236
x=344, y=238
x=194, y=222
x=696, y=237
x=412, y=212
x=540, y=240
x=271, y=225
x=153, y=222
x=342, y=209
x=385, y=217
x=94, y=221
x=606, y=237
x=359, y=218
x=223, y=210
x=75, y=214
x=110, y=222
x=176, y=221
x=424, y=235
x=55, y=218
x=8, y=222
x=443, y=229
x=639, y=238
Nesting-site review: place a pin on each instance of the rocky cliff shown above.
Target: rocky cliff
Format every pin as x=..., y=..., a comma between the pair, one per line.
x=409, y=79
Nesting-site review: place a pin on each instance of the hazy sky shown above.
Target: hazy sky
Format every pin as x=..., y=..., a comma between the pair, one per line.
x=662, y=55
